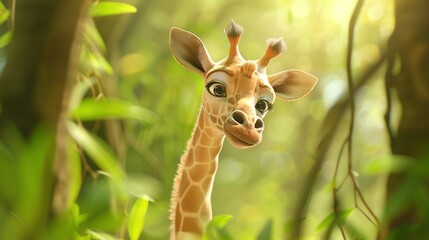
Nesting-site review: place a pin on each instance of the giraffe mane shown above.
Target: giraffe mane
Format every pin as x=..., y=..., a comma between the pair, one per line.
x=176, y=186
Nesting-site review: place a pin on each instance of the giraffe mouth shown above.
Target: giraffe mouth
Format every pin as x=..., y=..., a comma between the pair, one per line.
x=240, y=141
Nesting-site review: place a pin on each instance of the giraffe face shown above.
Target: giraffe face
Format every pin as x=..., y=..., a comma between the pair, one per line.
x=238, y=92
x=236, y=99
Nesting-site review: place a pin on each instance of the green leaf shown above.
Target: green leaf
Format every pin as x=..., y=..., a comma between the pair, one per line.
x=93, y=51
x=137, y=217
x=78, y=237
x=100, y=235
x=341, y=218
x=32, y=169
x=214, y=228
x=75, y=167
x=388, y=164
x=99, y=9
x=220, y=221
x=5, y=39
x=92, y=109
x=98, y=150
x=78, y=218
x=266, y=233
x=93, y=37
x=79, y=91
x=97, y=62
x=4, y=14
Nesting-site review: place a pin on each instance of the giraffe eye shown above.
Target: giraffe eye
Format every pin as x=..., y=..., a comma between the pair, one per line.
x=216, y=89
x=263, y=106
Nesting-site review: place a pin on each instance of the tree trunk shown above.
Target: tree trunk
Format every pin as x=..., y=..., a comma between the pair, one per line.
x=41, y=60
x=42, y=63
x=411, y=46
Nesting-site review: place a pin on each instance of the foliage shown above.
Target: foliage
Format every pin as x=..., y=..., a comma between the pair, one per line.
x=411, y=193
x=4, y=15
x=339, y=217
x=137, y=217
x=215, y=229
x=29, y=161
x=110, y=8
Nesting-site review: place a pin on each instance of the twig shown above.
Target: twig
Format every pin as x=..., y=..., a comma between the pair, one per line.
x=350, y=81
x=357, y=190
x=388, y=86
x=337, y=165
x=349, y=140
x=328, y=131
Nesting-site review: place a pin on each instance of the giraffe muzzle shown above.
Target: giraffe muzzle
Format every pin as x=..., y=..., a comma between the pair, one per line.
x=243, y=131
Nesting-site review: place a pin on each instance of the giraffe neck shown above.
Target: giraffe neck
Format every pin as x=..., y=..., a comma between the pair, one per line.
x=191, y=206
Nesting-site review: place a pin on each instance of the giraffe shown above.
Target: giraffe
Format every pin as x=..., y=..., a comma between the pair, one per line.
x=238, y=94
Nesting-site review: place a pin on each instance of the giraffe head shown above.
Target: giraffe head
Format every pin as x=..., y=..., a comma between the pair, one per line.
x=239, y=92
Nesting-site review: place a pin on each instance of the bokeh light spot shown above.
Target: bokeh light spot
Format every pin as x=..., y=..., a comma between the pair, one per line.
x=133, y=63
x=333, y=90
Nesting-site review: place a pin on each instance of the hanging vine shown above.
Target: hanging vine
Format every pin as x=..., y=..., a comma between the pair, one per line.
x=339, y=215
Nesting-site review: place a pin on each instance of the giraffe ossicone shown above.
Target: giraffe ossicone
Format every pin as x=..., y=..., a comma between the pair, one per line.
x=238, y=95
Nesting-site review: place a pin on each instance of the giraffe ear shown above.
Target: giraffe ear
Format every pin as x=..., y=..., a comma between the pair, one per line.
x=292, y=84
x=190, y=51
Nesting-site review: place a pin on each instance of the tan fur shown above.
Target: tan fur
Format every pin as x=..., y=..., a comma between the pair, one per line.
x=249, y=68
x=176, y=185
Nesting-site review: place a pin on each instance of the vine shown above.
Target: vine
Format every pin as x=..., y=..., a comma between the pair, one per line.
x=348, y=143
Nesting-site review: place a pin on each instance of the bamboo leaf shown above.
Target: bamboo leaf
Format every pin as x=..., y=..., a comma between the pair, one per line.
x=5, y=39
x=32, y=172
x=75, y=167
x=93, y=37
x=137, y=217
x=214, y=228
x=78, y=218
x=92, y=109
x=98, y=62
x=4, y=14
x=388, y=164
x=79, y=91
x=100, y=235
x=221, y=221
x=328, y=220
x=266, y=233
x=99, y=9
x=98, y=150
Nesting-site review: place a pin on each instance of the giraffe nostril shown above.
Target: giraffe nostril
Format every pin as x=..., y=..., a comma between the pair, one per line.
x=259, y=123
x=238, y=117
